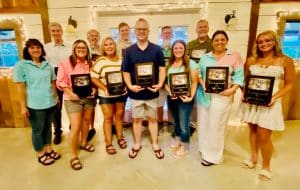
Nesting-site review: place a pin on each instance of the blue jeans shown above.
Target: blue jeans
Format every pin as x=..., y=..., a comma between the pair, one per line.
x=181, y=112
x=40, y=121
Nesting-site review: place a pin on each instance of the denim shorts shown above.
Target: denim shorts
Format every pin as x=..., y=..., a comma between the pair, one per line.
x=79, y=105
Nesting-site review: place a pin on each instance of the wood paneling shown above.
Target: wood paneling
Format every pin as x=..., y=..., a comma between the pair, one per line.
x=28, y=7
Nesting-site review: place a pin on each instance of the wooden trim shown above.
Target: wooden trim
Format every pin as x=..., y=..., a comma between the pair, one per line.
x=255, y=6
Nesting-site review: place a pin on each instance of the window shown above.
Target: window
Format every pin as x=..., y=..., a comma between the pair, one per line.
x=8, y=48
x=291, y=39
x=114, y=33
x=179, y=33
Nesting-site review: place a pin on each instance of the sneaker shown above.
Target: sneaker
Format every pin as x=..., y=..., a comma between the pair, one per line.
x=57, y=139
x=91, y=134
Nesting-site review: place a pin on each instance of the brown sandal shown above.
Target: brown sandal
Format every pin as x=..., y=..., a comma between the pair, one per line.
x=75, y=163
x=122, y=143
x=54, y=155
x=159, y=153
x=88, y=147
x=134, y=152
x=110, y=149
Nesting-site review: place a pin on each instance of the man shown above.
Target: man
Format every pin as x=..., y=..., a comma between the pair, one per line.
x=93, y=37
x=144, y=100
x=202, y=44
x=56, y=51
x=166, y=36
x=196, y=48
x=124, y=40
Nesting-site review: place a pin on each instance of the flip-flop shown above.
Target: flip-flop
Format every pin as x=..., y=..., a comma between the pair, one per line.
x=134, y=152
x=265, y=175
x=206, y=163
x=159, y=153
x=249, y=164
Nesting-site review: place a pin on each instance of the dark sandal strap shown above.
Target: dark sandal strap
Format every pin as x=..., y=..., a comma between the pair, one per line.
x=110, y=149
x=122, y=143
x=88, y=147
x=54, y=155
x=75, y=163
x=46, y=159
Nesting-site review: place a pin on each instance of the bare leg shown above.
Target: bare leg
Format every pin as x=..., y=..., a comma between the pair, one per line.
x=108, y=110
x=119, y=115
x=253, y=142
x=75, y=120
x=86, y=122
x=137, y=132
x=265, y=145
x=153, y=132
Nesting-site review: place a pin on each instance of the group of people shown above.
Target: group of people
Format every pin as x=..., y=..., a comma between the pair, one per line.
x=41, y=100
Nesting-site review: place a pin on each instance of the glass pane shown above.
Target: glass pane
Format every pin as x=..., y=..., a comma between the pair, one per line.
x=291, y=39
x=179, y=33
x=8, y=48
x=114, y=33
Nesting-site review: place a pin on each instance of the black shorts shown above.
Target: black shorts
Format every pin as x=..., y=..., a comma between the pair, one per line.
x=119, y=99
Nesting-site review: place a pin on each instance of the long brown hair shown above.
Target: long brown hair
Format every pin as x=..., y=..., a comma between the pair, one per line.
x=73, y=57
x=185, y=58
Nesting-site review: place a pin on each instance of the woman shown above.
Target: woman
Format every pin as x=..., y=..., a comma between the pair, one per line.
x=35, y=79
x=79, y=109
x=181, y=107
x=215, y=107
x=112, y=105
x=267, y=60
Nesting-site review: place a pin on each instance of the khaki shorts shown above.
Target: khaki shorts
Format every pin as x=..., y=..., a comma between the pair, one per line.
x=79, y=105
x=162, y=97
x=142, y=108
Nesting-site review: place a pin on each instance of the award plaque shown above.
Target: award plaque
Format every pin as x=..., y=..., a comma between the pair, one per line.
x=81, y=85
x=144, y=74
x=258, y=89
x=197, y=54
x=180, y=84
x=114, y=82
x=95, y=56
x=216, y=79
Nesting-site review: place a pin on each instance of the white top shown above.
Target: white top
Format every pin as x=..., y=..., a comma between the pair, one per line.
x=102, y=66
x=57, y=53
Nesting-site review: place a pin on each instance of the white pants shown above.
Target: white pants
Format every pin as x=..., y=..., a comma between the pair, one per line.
x=212, y=121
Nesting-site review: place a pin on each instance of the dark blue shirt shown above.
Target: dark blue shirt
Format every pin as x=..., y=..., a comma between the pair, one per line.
x=134, y=55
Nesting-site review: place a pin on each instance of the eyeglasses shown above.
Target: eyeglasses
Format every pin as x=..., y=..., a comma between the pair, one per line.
x=141, y=29
x=81, y=48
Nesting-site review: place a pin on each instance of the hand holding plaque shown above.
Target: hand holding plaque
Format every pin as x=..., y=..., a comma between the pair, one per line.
x=144, y=74
x=81, y=85
x=216, y=79
x=180, y=84
x=197, y=54
x=258, y=90
x=114, y=82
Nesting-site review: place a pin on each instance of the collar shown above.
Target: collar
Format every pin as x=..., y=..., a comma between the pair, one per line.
x=29, y=62
x=228, y=52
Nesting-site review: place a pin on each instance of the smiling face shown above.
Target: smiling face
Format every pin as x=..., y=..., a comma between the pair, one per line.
x=109, y=47
x=124, y=33
x=35, y=52
x=56, y=32
x=93, y=38
x=265, y=43
x=81, y=50
x=202, y=29
x=141, y=30
x=219, y=43
x=178, y=50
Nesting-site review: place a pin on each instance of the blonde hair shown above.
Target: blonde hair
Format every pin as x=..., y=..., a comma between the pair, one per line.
x=102, y=45
x=91, y=31
x=256, y=53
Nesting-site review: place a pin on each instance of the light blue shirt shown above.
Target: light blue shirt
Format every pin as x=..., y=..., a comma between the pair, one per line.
x=39, y=92
x=171, y=70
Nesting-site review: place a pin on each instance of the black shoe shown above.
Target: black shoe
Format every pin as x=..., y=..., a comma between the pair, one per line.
x=91, y=134
x=57, y=139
